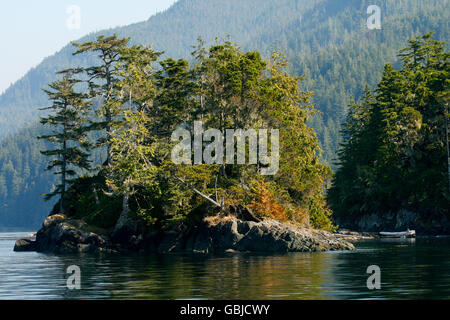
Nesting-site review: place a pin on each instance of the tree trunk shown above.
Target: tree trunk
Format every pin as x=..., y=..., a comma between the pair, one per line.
x=96, y=196
x=63, y=175
x=123, y=220
x=447, y=145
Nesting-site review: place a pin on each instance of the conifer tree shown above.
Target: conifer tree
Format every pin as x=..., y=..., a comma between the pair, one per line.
x=398, y=157
x=103, y=80
x=67, y=118
x=131, y=153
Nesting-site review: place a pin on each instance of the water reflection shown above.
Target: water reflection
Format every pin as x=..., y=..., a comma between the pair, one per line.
x=410, y=269
x=236, y=276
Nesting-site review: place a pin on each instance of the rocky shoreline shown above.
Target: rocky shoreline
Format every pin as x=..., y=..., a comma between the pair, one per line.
x=431, y=224
x=60, y=235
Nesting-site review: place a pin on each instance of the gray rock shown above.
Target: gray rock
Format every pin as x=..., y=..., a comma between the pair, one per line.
x=61, y=235
x=266, y=236
x=274, y=236
x=24, y=245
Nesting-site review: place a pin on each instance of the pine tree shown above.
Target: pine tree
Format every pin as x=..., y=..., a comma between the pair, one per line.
x=67, y=118
x=427, y=72
x=131, y=153
x=400, y=157
x=226, y=89
x=103, y=80
x=173, y=102
x=301, y=174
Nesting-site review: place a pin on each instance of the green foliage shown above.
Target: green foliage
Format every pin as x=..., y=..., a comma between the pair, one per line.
x=325, y=40
x=24, y=178
x=67, y=119
x=394, y=154
x=102, y=82
x=86, y=200
x=225, y=88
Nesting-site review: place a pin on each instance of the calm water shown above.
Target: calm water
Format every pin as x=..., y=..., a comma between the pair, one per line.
x=410, y=269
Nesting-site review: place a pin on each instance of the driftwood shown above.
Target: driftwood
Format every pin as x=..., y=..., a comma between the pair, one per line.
x=201, y=194
x=405, y=234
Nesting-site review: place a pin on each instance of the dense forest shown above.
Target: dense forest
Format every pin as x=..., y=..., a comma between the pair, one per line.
x=146, y=104
x=327, y=41
x=395, y=151
x=22, y=176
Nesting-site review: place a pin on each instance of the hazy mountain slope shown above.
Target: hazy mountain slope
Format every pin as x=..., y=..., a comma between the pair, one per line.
x=327, y=40
x=173, y=31
x=22, y=179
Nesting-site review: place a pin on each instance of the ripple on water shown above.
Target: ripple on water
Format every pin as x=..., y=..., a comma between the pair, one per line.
x=419, y=270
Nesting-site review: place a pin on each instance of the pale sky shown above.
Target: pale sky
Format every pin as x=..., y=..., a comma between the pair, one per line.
x=31, y=30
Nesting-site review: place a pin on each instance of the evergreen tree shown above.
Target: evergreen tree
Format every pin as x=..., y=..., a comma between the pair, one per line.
x=67, y=118
x=103, y=80
x=226, y=89
x=131, y=154
x=397, y=158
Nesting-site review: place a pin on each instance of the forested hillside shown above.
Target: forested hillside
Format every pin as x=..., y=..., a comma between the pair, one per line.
x=22, y=176
x=326, y=40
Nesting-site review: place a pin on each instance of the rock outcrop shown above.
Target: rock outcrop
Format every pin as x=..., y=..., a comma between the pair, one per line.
x=62, y=235
x=25, y=245
x=248, y=236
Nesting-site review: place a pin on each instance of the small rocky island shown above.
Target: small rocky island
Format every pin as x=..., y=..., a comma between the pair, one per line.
x=61, y=235
x=166, y=179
